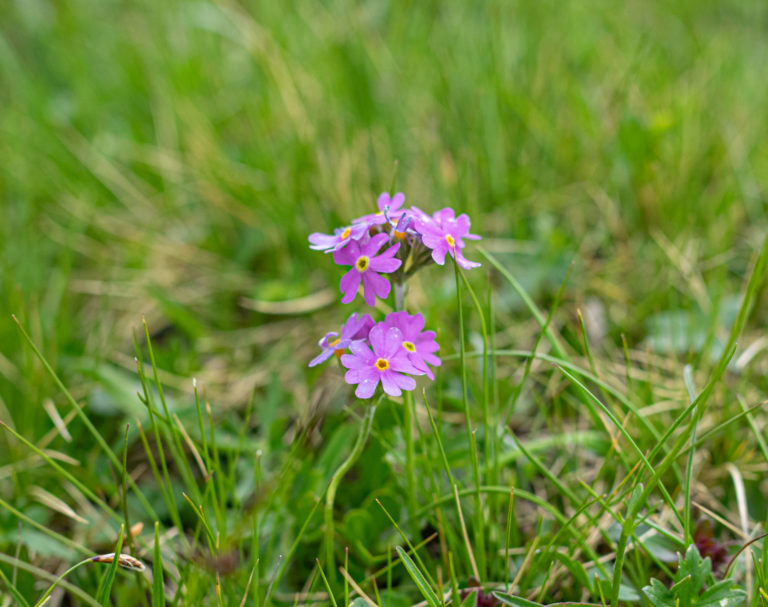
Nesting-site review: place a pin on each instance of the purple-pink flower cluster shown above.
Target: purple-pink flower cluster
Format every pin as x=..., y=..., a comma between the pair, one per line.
x=391, y=244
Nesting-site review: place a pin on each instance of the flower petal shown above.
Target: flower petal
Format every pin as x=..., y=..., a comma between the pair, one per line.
x=369, y=287
x=390, y=252
x=397, y=201
x=438, y=255
x=348, y=255
x=393, y=342
x=379, y=284
x=405, y=382
x=356, y=376
x=362, y=351
x=464, y=262
x=319, y=241
x=366, y=388
x=321, y=358
x=349, y=285
x=389, y=383
x=374, y=244
x=385, y=264
x=350, y=361
x=376, y=337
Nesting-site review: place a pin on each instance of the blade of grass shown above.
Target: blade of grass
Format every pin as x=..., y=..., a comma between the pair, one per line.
x=421, y=583
x=13, y=590
x=465, y=535
x=687, y=531
x=84, y=418
x=620, y=427
x=158, y=588
x=406, y=540
x=553, y=339
x=326, y=584
x=105, y=587
x=57, y=580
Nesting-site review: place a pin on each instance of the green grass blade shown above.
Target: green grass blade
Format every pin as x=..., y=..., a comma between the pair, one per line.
x=105, y=588
x=553, y=339
x=84, y=418
x=158, y=589
x=418, y=578
x=13, y=590
x=326, y=584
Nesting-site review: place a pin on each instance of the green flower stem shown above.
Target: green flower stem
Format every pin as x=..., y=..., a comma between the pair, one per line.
x=408, y=428
x=410, y=471
x=357, y=449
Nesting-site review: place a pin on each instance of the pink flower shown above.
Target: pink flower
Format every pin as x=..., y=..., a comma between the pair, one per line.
x=386, y=363
x=356, y=328
x=444, y=234
x=420, y=346
x=366, y=265
x=340, y=238
x=389, y=210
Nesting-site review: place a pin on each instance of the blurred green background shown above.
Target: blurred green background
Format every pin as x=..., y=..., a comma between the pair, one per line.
x=168, y=159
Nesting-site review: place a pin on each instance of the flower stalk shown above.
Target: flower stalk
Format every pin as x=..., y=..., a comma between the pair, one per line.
x=330, y=495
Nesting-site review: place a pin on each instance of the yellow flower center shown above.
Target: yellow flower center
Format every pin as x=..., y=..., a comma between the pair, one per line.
x=362, y=263
x=449, y=239
x=334, y=342
x=382, y=364
x=346, y=233
x=399, y=235
x=408, y=345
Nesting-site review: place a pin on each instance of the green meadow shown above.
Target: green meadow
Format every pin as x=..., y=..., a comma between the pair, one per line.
x=596, y=434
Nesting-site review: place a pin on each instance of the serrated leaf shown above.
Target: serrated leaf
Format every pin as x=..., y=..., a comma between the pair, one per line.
x=683, y=591
x=722, y=594
x=690, y=579
x=696, y=567
x=658, y=594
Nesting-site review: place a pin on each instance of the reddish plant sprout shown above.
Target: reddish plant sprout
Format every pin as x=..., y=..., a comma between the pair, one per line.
x=704, y=538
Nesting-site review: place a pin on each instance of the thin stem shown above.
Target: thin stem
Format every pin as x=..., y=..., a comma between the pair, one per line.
x=357, y=449
x=408, y=428
x=410, y=469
